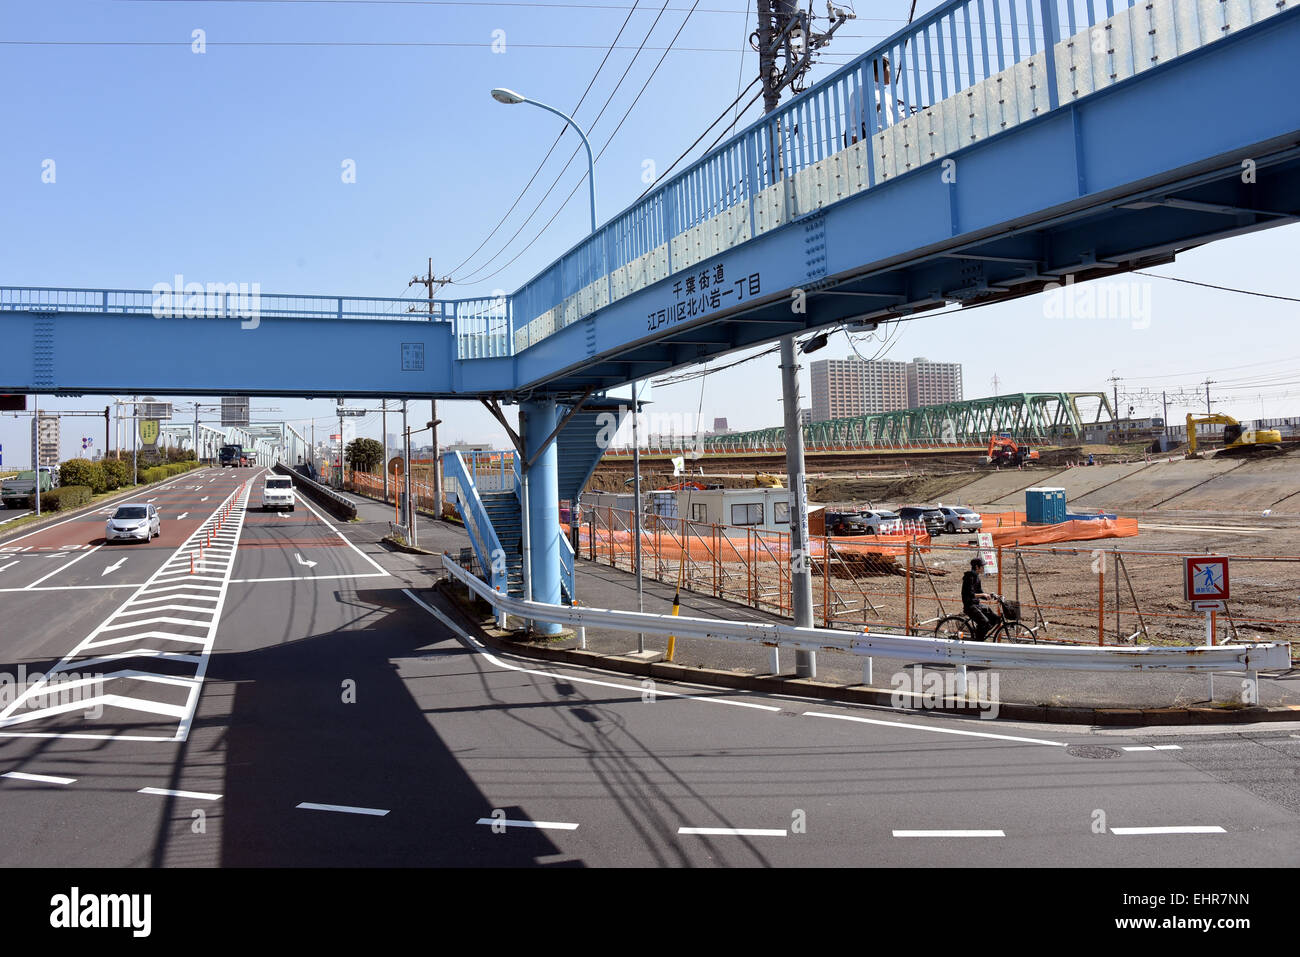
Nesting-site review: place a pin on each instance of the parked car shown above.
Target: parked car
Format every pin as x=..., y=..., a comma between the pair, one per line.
x=880, y=521
x=135, y=522
x=277, y=494
x=845, y=522
x=958, y=518
x=927, y=515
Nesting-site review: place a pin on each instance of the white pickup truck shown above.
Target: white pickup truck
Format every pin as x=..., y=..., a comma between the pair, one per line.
x=277, y=494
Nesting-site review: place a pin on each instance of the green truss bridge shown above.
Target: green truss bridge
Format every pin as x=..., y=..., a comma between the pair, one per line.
x=1044, y=418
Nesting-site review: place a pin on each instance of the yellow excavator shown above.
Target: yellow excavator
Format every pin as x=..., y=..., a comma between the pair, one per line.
x=1236, y=440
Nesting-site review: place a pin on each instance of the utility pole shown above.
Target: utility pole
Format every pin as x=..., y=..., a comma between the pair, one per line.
x=429, y=281
x=383, y=427
x=1164, y=401
x=1208, y=383
x=784, y=28
x=407, y=479
x=135, y=440
x=996, y=380
x=108, y=446
x=341, y=475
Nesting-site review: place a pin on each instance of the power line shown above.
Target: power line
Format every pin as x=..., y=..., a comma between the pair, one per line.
x=558, y=137
x=608, y=141
x=1210, y=285
x=472, y=277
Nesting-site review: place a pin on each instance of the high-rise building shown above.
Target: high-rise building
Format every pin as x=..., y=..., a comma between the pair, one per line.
x=853, y=386
x=45, y=441
x=234, y=411
x=933, y=383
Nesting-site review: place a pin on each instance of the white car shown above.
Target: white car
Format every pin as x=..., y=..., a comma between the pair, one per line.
x=135, y=522
x=277, y=494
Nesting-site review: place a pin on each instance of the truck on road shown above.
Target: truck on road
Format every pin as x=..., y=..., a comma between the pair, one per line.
x=20, y=491
x=232, y=456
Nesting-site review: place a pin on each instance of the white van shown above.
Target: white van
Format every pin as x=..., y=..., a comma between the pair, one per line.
x=277, y=494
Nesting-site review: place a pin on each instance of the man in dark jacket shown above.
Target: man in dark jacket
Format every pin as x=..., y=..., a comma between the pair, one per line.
x=972, y=590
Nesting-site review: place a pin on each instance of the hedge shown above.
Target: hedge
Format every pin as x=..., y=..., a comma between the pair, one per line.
x=65, y=497
x=116, y=474
x=83, y=472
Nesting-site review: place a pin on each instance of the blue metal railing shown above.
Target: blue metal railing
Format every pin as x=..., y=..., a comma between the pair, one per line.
x=483, y=537
x=221, y=302
x=1030, y=55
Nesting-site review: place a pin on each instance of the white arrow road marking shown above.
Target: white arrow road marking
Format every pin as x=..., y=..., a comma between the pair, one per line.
x=182, y=515
x=303, y=561
x=113, y=568
x=281, y=515
x=205, y=498
x=10, y=565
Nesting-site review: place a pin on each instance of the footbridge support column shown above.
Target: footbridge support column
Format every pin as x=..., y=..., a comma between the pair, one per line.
x=539, y=419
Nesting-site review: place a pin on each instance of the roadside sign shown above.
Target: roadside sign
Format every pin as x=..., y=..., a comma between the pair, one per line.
x=988, y=552
x=395, y=465
x=1213, y=605
x=351, y=412
x=1205, y=578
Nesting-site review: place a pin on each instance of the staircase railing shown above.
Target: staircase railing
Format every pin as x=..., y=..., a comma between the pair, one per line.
x=469, y=505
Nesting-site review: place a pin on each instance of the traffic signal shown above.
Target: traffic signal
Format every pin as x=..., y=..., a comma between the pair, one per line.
x=13, y=403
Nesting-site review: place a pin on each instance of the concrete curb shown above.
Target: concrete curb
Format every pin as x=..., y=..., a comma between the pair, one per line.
x=58, y=516
x=861, y=694
x=392, y=543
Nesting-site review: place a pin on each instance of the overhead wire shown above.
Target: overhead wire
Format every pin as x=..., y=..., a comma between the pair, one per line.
x=473, y=275
x=608, y=141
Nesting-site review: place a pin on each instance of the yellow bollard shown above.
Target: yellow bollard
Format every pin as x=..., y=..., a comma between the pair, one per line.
x=672, y=639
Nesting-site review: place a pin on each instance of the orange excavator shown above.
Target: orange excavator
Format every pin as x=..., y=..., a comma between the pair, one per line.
x=1003, y=450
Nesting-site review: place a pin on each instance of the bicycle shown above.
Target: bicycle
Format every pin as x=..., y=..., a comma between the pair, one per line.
x=1009, y=627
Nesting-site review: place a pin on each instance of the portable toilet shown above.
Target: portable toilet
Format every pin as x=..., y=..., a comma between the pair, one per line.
x=1044, y=505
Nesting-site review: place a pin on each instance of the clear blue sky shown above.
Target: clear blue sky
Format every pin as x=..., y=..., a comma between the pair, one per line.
x=226, y=166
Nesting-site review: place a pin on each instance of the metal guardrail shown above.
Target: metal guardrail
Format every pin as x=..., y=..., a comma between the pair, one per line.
x=337, y=505
x=1248, y=658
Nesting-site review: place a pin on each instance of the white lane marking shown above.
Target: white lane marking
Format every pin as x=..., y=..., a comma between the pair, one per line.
x=343, y=809
x=184, y=714
x=38, y=778
x=205, y=498
x=148, y=500
x=304, y=578
x=281, y=515
x=112, y=568
x=62, y=567
x=560, y=676
x=302, y=561
x=74, y=518
x=734, y=831
x=10, y=565
x=950, y=833
x=73, y=587
x=14, y=517
x=1184, y=829
x=182, y=515
x=541, y=825
x=921, y=727
x=374, y=564
x=1153, y=747
x=168, y=792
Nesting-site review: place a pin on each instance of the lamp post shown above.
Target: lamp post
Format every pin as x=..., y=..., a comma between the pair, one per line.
x=510, y=97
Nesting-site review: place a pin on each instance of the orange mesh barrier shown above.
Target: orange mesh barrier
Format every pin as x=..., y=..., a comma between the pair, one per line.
x=1072, y=531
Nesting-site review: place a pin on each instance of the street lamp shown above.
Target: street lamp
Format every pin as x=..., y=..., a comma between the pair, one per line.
x=510, y=97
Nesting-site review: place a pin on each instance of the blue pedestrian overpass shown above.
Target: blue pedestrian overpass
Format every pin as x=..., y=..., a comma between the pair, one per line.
x=1016, y=144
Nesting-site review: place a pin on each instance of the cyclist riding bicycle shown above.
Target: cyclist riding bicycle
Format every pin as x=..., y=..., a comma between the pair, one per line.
x=972, y=592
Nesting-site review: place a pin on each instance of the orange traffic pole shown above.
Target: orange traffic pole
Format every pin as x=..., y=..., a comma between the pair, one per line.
x=191, y=563
x=1101, y=605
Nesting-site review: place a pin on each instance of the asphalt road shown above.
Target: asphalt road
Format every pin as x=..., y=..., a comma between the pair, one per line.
x=304, y=698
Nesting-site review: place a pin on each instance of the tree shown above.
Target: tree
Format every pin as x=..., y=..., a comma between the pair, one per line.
x=364, y=454
x=117, y=474
x=82, y=472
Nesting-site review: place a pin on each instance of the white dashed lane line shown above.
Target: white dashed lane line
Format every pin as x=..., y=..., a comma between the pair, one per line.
x=38, y=778
x=950, y=833
x=1184, y=829
x=1153, y=747
x=733, y=831
x=168, y=792
x=343, y=809
x=541, y=825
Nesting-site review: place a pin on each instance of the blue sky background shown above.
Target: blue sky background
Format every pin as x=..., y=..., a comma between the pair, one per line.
x=226, y=167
